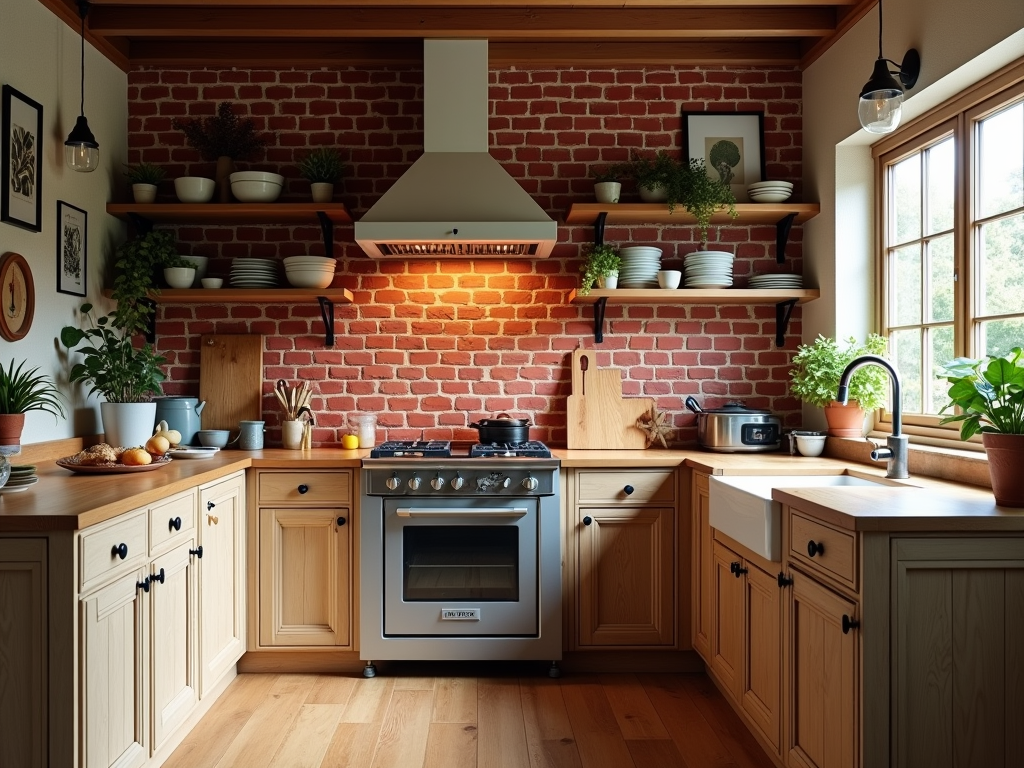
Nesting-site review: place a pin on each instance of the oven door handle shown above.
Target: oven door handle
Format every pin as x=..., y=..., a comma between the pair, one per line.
x=462, y=512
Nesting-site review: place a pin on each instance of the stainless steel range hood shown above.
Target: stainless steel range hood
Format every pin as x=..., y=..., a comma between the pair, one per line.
x=456, y=201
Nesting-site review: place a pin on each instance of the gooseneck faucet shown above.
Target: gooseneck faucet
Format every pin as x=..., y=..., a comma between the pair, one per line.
x=895, y=452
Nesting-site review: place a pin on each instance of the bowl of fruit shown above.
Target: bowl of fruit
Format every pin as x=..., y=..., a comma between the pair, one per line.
x=104, y=459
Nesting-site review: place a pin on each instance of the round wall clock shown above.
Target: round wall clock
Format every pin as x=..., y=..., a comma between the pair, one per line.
x=17, y=297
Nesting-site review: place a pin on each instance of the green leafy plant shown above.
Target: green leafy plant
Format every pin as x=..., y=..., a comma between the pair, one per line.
x=138, y=261
x=817, y=368
x=989, y=393
x=222, y=135
x=615, y=172
x=22, y=391
x=704, y=196
x=322, y=166
x=144, y=173
x=601, y=261
x=658, y=170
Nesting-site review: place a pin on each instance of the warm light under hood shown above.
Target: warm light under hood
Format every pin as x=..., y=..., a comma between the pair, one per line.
x=456, y=201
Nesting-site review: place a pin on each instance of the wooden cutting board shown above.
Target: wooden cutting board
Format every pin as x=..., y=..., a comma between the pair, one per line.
x=231, y=380
x=597, y=414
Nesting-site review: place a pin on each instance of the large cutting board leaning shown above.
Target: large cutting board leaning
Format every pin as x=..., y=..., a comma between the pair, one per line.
x=231, y=380
x=598, y=416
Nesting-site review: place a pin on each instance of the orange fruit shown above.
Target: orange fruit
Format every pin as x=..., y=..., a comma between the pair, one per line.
x=157, y=445
x=135, y=457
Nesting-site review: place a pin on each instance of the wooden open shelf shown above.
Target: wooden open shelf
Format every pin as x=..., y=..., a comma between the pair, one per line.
x=286, y=295
x=658, y=213
x=695, y=296
x=231, y=213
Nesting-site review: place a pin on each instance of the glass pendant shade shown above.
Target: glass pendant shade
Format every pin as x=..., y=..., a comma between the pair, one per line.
x=81, y=152
x=881, y=101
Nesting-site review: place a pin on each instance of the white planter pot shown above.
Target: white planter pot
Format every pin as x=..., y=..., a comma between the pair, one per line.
x=657, y=195
x=128, y=425
x=144, y=193
x=607, y=191
x=322, y=192
x=611, y=280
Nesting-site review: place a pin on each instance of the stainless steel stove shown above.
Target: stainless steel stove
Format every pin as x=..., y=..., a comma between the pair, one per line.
x=460, y=554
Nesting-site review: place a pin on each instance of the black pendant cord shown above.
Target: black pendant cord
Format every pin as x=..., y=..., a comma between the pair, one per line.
x=880, y=29
x=83, y=9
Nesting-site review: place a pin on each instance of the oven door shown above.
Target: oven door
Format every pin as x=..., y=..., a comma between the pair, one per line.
x=460, y=567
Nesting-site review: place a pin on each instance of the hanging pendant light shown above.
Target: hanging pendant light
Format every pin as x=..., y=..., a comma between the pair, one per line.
x=881, y=98
x=81, y=152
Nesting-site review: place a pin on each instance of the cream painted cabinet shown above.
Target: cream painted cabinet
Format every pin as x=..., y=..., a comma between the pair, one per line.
x=701, y=566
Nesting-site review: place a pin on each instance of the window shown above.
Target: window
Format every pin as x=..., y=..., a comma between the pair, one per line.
x=952, y=240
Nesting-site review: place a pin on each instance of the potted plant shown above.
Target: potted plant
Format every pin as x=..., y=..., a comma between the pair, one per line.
x=22, y=391
x=607, y=187
x=322, y=168
x=989, y=394
x=815, y=377
x=144, y=179
x=601, y=266
x=140, y=260
x=223, y=137
x=703, y=196
x=659, y=178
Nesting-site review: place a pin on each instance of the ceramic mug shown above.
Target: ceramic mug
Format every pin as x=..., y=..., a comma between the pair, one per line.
x=250, y=437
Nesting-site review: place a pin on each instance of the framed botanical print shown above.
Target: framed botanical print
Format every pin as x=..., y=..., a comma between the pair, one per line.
x=72, y=231
x=731, y=144
x=21, y=195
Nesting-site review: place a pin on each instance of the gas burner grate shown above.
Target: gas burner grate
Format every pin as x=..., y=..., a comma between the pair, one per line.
x=531, y=448
x=438, y=449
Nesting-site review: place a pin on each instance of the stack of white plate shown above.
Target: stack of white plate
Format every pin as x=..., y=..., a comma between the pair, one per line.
x=708, y=269
x=770, y=191
x=309, y=271
x=253, y=273
x=22, y=476
x=772, y=280
x=640, y=267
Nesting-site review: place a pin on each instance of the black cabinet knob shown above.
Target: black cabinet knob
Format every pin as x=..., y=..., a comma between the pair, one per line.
x=737, y=569
x=119, y=550
x=849, y=624
x=588, y=520
x=198, y=551
x=815, y=548
x=143, y=585
x=174, y=524
x=303, y=488
x=628, y=490
x=210, y=505
x=342, y=521
x=784, y=581
x=158, y=577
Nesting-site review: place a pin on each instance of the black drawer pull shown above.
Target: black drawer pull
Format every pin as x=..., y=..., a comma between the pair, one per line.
x=342, y=521
x=119, y=550
x=588, y=520
x=198, y=551
x=849, y=624
x=784, y=581
x=737, y=569
x=158, y=577
x=143, y=585
x=303, y=488
x=628, y=490
x=210, y=505
x=815, y=548
x=174, y=524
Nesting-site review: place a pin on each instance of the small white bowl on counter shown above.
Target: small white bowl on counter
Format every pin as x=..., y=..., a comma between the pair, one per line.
x=256, y=186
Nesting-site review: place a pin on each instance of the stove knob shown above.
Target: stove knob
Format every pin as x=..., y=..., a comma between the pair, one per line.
x=506, y=482
x=437, y=483
x=392, y=482
x=530, y=483
x=458, y=482
x=414, y=483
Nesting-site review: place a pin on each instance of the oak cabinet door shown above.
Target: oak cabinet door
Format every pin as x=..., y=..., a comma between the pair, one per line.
x=626, y=576
x=113, y=637
x=727, y=627
x=304, y=577
x=762, y=674
x=702, y=567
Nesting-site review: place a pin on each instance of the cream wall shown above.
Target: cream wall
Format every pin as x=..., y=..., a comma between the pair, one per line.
x=959, y=44
x=39, y=56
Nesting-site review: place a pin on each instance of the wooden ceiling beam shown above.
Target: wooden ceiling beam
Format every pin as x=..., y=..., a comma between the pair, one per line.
x=475, y=4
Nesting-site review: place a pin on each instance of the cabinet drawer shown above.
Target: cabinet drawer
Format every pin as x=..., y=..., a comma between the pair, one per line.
x=332, y=488
x=172, y=519
x=647, y=485
x=835, y=551
x=99, y=557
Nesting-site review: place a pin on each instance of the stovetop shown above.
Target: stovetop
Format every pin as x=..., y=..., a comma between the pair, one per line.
x=442, y=449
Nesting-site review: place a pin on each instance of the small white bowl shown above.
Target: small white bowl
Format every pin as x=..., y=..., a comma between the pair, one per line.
x=310, y=279
x=194, y=189
x=212, y=282
x=255, y=191
x=770, y=197
x=810, y=445
x=669, y=278
x=179, y=277
x=201, y=263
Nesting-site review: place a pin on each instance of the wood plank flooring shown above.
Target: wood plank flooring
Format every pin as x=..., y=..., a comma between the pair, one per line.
x=503, y=718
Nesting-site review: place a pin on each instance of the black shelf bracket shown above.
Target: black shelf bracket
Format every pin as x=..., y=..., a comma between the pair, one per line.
x=141, y=223
x=783, y=311
x=327, y=229
x=599, y=223
x=782, y=228
x=327, y=313
x=599, y=308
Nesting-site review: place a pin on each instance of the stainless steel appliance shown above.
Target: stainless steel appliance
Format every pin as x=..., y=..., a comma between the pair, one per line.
x=460, y=555
x=735, y=428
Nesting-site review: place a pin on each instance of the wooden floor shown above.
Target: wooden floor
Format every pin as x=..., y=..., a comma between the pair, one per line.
x=513, y=720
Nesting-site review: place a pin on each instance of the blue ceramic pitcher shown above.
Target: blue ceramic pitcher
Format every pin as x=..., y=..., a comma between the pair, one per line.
x=182, y=414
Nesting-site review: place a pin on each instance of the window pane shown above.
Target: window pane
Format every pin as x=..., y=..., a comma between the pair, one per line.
x=1000, y=276
x=905, y=347
x=940, y=187
x=940, y=277
x=906, y=289
x=906, y=202
x=998, y=337
x=941, y=343
x=1001, y=161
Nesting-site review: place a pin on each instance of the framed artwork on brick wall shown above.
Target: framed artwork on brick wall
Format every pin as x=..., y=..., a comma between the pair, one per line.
x=731, y=144
x=21, y=194
x=72, y=264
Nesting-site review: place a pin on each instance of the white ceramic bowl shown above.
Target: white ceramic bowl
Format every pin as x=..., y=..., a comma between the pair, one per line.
x=194, y=189
x=669, y=278
x=810, y=445
x=770, y=197
x=255, y=191
x=310, y=279
x=213, y=438
x=273, y=178
x=309, y=261
x=212, y=282
x=201, y=263
x=763, y=184
x=179, y=277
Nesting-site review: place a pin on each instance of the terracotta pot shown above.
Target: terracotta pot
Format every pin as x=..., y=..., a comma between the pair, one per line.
x=225, y=167
x=11, y=426
x=844, y=420
x=1005, y=460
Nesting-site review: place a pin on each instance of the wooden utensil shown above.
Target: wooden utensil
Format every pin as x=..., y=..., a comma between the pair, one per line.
x=231, y=379
x=597, y=415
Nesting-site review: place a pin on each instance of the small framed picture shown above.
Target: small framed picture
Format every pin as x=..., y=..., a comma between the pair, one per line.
x=72, y=232
x=731, y=145
x=21, y=196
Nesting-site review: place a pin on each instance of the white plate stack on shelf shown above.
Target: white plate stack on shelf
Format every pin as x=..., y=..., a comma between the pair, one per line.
x=707, y=269
x=253, y=273
x=770, y=191
x=640, y=267
x=309, y=271
x=776, y=281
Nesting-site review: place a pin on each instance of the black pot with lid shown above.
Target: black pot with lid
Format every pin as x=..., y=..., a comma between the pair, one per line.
x=503, y=429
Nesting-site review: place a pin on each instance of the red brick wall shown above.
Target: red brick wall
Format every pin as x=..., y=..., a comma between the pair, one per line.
x=433, y=346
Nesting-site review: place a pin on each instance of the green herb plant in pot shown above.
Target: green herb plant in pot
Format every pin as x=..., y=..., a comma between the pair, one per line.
x=322, y=168
x=815, y=376
x=22, y=391
x=703, y=197
x=608, y=184
x=989, y=394
x=659, y=177
x=144, y=178
x=601, y=267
